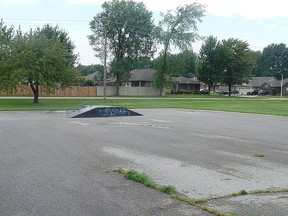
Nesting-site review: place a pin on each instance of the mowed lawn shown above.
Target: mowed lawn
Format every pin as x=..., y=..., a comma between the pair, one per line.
x=258, y=105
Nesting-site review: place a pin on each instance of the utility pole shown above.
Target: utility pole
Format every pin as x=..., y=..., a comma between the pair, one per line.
x=281, y=85
x=105, y=62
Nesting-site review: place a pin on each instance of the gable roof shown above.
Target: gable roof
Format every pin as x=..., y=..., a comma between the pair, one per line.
x=184, y=80
x=277, y=83
x=259, y=81
x=93, y=76
x=146, y=74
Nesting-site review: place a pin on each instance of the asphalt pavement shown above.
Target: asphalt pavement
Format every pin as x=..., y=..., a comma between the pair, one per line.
x=55, y=165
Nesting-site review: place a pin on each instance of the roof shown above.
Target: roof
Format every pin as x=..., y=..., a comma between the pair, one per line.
x=184, y=80
x=259, y=81
x=277, y=83
x=93, y=76
x=146, y=74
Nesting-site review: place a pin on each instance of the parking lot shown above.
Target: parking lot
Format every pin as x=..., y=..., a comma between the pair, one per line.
x=48, y=159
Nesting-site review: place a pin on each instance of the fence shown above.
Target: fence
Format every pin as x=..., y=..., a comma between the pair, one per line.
x=86, y=91
x=128, y=91
x=76, y=91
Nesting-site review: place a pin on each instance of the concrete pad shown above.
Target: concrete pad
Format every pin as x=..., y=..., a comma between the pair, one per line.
x=248, y=205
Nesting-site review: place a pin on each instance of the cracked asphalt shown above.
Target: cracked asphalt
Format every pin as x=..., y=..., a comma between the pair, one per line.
x=55, y=165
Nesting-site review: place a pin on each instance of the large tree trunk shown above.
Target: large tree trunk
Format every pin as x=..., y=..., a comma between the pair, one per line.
x=230, y=88
x=36, y=95
x=35, y=90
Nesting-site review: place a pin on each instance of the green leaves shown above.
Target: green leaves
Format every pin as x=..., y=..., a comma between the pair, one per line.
x=274, y=59
x=208, y=70
x=228, y=61
x=178, y=28
x=129, y=26
x=39, y=57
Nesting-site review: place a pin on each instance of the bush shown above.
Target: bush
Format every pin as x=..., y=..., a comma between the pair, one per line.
x=183, y=91
x=196, y=92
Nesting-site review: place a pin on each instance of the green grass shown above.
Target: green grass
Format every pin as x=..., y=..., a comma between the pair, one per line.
x=243, y=192
x=200, y=203
x=140, y=177
x=259, y=105
x=259, y=155
x=145, y=180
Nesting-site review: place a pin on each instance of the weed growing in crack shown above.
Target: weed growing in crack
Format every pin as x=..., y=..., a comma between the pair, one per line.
x=259, y=155
x=140, y=177
x=242, y=192
x=169, y=189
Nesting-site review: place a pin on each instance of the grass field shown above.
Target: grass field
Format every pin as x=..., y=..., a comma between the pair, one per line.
x=259, y=105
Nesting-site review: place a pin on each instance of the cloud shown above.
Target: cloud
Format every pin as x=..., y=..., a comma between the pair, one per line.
x=19, y=2
x=75, y=2
x=250, y=9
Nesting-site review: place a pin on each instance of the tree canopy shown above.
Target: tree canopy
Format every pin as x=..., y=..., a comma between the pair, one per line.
x=237, y=62
x=38, y=60
x=89, y=69
x=128, y=26
x=178, y=28
x=60, y=34
x=181, y=64
x=208, y=70
x=274, y=60
x=228, y=61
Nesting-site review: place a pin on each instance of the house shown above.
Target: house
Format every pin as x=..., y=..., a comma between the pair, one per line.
x=182, y=83
x=270, y=84
x=141, y=78
x=91, y=79
x=274, y=87
x=285, y=86
x=145, y=78
x=255, y=83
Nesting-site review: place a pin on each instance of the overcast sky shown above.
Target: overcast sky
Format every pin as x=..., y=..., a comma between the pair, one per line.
x=260, y=23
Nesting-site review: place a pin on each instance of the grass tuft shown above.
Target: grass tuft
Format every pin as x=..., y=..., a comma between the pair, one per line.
x=242, y=192
x=140, y=177
x=169, y=189
x=259, y=155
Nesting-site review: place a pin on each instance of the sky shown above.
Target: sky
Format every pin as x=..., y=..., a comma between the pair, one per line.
x=258, y=22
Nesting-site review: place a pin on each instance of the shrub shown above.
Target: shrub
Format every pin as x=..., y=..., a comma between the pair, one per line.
x=183, y=91
x=196, y=92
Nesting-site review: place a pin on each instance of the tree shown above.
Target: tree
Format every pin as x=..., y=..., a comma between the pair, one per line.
x=208, y=70
x=257, y=71
x=236, y=62
x=274, y=59
x=128, y=26
x=6, y=34
x=178, y=28
x=60, y=34
x=181, y=64
x=38, y=60
x=89, y=69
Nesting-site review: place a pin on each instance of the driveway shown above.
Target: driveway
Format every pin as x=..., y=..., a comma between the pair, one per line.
x=52, y=165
